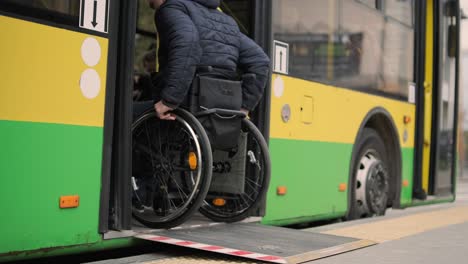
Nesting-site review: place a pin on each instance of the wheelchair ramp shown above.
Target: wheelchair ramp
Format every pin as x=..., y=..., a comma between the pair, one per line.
x=258, y=242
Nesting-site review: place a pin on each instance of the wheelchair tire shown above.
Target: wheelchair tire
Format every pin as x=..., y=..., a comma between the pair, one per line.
x=239, y=206
x=171, y=169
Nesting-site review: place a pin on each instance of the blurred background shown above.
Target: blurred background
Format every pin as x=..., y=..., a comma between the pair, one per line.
x=464, y=85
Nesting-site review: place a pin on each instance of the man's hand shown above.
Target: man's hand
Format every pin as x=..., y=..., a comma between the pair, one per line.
x=162, y=111
x=245, y=111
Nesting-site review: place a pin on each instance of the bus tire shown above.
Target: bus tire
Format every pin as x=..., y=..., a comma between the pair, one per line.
x=369, y=186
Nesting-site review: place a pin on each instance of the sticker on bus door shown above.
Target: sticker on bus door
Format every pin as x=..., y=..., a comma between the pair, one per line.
x=411, y=92
x=94, y=15
x=280, y=57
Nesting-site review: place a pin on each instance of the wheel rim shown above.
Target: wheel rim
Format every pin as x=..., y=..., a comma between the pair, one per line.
x=237, y=204
x=371, y=186
x=166, y=187
x=377, y=188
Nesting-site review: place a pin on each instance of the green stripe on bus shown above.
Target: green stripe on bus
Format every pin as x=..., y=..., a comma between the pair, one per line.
x=406, y=197
x=38, y=164
x=312, y=172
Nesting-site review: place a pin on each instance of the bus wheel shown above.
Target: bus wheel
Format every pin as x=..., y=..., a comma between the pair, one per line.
x=370, y=181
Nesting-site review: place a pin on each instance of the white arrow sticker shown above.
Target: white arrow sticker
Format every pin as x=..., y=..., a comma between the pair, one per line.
x=280, y=57
x=94, y=15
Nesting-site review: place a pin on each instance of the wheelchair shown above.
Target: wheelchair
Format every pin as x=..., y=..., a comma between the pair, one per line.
x=210, y=159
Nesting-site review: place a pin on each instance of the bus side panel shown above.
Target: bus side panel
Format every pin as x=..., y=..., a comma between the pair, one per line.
x=51, y=122
x=313, y=129
x=311, y=171
x=39, y=163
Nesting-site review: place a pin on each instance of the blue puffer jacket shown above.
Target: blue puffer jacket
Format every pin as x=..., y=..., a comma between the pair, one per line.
x=194, y=32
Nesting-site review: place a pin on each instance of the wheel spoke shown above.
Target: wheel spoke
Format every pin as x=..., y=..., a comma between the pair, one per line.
x=253, y=159
x=180, y=190
x=181, y=168
x=251, y=181
x=164, y=145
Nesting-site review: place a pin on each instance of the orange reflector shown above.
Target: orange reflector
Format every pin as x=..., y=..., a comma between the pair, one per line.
x=406, y=119
x=219, y=202
x=70, y=201
x=281, y=190
x=342, y=187
x=405, y=183
x=192, y=160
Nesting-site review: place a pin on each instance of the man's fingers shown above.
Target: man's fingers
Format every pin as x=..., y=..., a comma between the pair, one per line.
x=167, y=116
x=162, y=111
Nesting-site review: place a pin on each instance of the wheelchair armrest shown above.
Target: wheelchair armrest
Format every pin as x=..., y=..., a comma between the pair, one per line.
x=222, y=113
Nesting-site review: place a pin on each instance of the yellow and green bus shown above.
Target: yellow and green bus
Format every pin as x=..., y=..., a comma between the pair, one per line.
x=361, y=113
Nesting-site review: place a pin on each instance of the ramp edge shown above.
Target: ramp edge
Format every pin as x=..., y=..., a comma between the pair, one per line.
x=214, y=248
x=330, y=251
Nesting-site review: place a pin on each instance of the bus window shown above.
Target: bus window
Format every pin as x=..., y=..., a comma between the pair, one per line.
x=401, y=10
x=306, y=26
x=46, y=9
x=386, y=61
x=377, y=4
x=346, y=44
x=398, y=65
x=367, y=50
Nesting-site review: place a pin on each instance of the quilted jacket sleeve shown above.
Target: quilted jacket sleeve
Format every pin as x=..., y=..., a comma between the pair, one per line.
x=184, y=51
x=253, y=60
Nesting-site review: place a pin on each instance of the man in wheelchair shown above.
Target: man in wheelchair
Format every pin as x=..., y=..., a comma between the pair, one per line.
x=208, y=67
x=193, y=33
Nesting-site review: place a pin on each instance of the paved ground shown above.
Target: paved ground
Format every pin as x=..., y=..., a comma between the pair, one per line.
x=447, y=242
x=443, y=245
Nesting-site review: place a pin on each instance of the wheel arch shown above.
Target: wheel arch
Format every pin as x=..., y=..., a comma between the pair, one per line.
x=382, y=122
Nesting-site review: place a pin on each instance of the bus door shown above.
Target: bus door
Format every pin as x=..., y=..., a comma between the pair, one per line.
x=445, y=100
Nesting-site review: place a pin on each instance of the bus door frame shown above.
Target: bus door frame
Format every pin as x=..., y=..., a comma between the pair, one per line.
x=420, y=62
x=438, y=67
x=263, y=35
x=115, y=197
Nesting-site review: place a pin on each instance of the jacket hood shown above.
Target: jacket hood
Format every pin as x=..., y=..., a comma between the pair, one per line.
x=209, y=3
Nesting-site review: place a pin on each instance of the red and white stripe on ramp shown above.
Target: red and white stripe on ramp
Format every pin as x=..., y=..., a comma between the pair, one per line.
x=213, y=248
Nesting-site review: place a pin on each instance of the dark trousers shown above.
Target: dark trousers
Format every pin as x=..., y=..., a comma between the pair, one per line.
x=140, y=107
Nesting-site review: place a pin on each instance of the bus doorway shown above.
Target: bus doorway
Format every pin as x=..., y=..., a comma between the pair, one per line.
x=145, y=78
x=445, y=100
x=440, y=100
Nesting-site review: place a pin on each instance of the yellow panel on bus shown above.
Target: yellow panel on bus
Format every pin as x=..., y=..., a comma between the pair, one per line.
x=319, y=112
x=51, y=75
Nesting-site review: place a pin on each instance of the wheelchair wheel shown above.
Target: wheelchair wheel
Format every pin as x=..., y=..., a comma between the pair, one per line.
x=171, y=168
x=224, y=205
